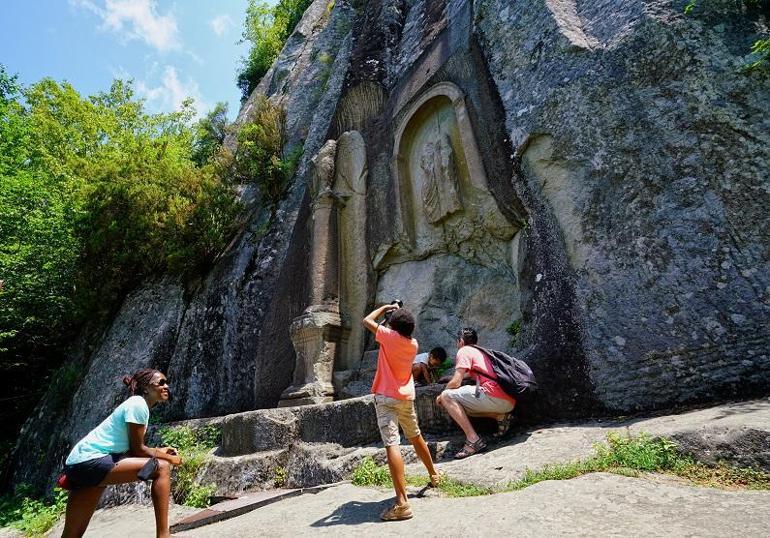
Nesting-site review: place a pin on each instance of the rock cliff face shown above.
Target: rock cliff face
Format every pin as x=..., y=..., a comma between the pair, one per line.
x=595, y=173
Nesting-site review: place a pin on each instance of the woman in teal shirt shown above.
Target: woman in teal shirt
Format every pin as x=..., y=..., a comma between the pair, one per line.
x=114, y=452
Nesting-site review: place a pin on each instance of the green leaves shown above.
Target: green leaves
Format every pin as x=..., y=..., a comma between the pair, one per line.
x=261, y=157
x=267, y=28
x=95, y=195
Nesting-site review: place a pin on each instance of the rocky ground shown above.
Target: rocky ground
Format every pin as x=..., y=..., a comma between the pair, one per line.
x=597, y=504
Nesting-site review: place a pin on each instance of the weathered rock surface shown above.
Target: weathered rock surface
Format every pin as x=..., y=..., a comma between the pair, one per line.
x=594, y=505
x=594, y=170
x=641, y=144
x=736, y=433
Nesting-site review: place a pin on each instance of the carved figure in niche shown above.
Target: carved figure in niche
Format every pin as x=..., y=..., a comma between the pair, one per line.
x=439, y=186
x=323, y=168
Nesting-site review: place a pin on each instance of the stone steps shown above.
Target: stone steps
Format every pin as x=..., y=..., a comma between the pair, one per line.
x=310, y=445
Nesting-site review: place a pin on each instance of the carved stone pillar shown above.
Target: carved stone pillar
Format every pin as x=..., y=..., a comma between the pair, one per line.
x=355, y=269
x=316, y=333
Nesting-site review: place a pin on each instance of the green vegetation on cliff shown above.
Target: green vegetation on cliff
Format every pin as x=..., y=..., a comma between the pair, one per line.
x=33, y=517
x=267, y=28
x=96, y=195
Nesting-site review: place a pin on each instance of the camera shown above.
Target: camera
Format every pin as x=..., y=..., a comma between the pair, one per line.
x=398, y=303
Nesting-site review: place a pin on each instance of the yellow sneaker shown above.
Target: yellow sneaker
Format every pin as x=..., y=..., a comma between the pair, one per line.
x=397, y=512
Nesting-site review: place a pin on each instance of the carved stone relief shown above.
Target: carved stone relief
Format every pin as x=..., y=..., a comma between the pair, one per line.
x=350, y=188
x=445, y=205
x=439, y=182
x=452, y=260
x=316, y=333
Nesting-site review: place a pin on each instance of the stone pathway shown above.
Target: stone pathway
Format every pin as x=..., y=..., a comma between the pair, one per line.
x=594, y=505
x=737, y=431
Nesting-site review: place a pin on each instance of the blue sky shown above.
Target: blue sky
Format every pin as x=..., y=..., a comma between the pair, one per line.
x=171, y=48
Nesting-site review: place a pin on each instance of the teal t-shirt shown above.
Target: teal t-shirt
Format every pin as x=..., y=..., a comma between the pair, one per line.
x=111, y=436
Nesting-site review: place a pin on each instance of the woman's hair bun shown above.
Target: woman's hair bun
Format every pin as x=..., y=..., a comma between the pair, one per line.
x=127, y=380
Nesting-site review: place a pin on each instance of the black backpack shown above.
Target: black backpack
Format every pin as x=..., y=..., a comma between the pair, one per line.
x=513, y=375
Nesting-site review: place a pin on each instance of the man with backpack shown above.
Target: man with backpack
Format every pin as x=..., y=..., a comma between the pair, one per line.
x=486, y=398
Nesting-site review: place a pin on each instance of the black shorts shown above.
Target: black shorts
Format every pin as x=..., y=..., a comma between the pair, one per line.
x=88, y=474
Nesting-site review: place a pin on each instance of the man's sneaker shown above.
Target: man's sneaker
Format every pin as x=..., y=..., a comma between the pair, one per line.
x=397, y=512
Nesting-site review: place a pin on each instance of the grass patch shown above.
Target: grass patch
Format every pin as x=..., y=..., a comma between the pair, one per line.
x=193, y=445
x=31, y=516
x=635, y=455
x=623, y=455
x=370, y=474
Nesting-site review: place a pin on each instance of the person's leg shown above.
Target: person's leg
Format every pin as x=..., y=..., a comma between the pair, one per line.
x=396, y=467
x=407, y=419
x=423, y=452
x=161, y=490
x=457, y=412
x=417, y=373
x=387, y=421
x=81, y=504
x=125, y=472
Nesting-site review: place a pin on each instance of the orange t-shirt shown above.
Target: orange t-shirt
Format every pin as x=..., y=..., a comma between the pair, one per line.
x=471, y=358
x=394, y=365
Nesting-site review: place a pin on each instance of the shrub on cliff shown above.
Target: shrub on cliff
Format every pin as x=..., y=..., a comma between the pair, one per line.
x=262, y=157
x=267, y=28
x=96, y=195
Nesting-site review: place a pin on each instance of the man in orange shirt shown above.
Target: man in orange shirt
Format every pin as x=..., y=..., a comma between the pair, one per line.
x=393, y=390
x=485, y=399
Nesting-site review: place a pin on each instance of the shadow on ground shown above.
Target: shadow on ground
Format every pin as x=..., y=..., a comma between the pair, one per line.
x=354, y=513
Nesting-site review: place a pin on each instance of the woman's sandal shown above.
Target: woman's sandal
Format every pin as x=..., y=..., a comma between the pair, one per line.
x=503, y=426
x=469, y=449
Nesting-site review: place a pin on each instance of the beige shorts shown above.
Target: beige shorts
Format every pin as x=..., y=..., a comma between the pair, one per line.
x=466, y=396
x=390, y=414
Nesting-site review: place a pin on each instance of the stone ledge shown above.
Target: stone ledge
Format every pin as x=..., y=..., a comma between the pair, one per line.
x=348, y=423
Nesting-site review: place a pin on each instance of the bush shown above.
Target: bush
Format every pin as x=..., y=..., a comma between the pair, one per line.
x=267, y=28
x=96, y=195
x=262, y=157
x=368, y=473
x=193, y=446
x=31, y=516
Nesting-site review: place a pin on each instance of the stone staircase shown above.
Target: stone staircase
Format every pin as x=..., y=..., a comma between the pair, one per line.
x=306, y=446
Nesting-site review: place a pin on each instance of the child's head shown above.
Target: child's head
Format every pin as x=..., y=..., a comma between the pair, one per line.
x=402, y=321
x=436, y=356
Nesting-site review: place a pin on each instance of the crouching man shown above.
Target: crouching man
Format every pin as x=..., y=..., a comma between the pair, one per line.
x=393, y=390
x=484, y=399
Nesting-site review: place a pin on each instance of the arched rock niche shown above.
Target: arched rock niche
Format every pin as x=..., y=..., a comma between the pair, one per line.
x=457, y=258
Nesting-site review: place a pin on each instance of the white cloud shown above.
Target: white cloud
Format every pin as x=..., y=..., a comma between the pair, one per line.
x=136, y=19
x=171, y=92
x=221, y=24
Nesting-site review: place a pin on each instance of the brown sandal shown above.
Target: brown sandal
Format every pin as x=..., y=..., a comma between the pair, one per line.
x=503, y=426
x=469, y=449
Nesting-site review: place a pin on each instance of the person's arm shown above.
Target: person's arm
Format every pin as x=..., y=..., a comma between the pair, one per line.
x=370, y=321
x=457, y=379
x=140, y=450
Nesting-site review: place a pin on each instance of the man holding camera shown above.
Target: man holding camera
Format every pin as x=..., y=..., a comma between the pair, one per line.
x=393, y=390
x=485, y=399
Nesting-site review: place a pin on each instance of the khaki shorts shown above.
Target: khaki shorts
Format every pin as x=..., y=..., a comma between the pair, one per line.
x=392, y=412
x=466, y=396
